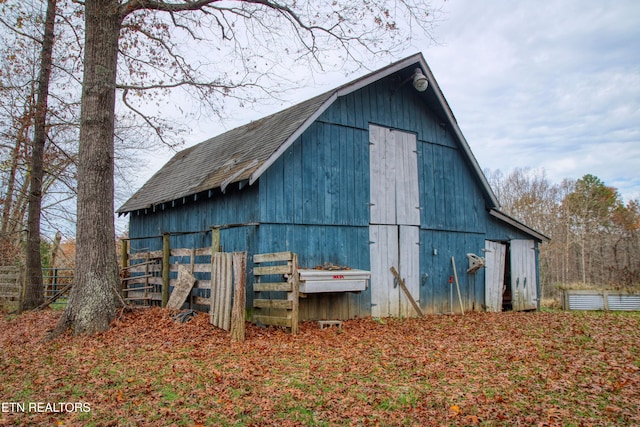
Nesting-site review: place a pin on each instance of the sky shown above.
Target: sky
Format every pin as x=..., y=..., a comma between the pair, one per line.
x=541, y=84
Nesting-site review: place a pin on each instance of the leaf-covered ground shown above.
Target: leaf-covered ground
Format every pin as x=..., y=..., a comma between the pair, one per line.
x=541, y=369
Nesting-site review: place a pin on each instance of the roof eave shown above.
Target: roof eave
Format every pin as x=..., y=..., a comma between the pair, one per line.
x=519, y=225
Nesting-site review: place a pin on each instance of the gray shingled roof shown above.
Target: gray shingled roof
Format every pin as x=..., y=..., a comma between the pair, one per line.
x=230, y=157
x=245, y=152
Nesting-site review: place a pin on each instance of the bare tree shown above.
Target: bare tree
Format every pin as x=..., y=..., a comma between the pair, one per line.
x=305, y=28
x=34, y=292
x=595, y=237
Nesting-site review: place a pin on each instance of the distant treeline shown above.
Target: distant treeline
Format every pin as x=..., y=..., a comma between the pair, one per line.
x=595, y=236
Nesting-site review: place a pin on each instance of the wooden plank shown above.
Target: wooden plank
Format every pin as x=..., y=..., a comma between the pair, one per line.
x=455, y=276
x=203, y=252
x=228, y=282
x=221, y=285
x=154, y=296
x=181, y=252
x=272, y=320
x=271, y=257
x=181, y=291
x=494, y=275
x=216, y=274
x=197, y=268
x=272, y=287
x=406, y=291
x=523, y=275
x=142, y=264
x=407, y=198
x=137, y=289
x=239, y=296
x=293, y=296
x=202, y=284
x=272, y=269
x=409, y=252
x=145, y=268
x=273, y=303
x=143, y=255
x=125, y=279
x=166, y=254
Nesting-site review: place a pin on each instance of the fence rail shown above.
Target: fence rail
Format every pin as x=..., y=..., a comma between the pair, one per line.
x=281, y=278
x=56, y=282
x=10, y=286
x=144, y=277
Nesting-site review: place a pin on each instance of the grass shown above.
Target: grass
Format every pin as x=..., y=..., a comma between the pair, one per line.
x=542, y=368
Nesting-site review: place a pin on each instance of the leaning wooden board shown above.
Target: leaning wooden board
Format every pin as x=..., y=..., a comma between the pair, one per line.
x=182, y=289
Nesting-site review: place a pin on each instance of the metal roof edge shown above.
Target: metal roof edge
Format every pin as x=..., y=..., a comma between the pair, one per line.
x=519, y=225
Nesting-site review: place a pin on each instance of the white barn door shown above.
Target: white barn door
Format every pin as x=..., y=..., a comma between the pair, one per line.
x=394, y=220
x=524, y=280
x=495, y=256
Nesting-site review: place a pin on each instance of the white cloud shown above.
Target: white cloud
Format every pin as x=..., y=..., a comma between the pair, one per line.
x=533, y=83
x=546, y=84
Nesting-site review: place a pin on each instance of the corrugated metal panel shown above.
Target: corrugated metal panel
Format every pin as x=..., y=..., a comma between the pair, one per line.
x=624, y=302
x=586, y=302
x=601, y=300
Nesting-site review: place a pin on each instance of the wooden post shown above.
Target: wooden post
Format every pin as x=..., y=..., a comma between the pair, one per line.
x=54, y=253
x=124, y=253
x=166, y=253
x=124, y=262
x=239, y=296
x=293, y=296
x=215, y=240
x=455, y=275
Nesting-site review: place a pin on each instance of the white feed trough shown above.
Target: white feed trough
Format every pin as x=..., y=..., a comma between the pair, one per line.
x=316, y=281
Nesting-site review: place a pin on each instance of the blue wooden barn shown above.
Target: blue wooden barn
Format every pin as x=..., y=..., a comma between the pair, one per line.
x=371, y=175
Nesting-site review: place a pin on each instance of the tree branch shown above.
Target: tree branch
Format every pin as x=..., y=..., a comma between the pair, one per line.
x=134, y=5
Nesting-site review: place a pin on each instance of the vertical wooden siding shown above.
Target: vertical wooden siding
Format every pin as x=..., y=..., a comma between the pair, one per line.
x=314, y=200
x=233, y=207
x=324, y=179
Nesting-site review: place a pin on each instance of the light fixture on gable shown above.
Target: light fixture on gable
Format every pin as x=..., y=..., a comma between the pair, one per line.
x=420, y=81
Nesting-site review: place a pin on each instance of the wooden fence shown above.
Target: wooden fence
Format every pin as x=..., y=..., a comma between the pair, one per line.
x=277, y=311
x=147, y=276
x=57, y=282
x=227, y=273
x=10, y=287
x=205, y=277
x=222, y=276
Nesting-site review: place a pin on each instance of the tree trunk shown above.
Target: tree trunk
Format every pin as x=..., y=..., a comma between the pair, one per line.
x=93, y=300
x=34, y=291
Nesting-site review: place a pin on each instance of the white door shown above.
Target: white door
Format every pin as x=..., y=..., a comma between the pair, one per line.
x=494, y=275
x=394, y=221
x=523, y=275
